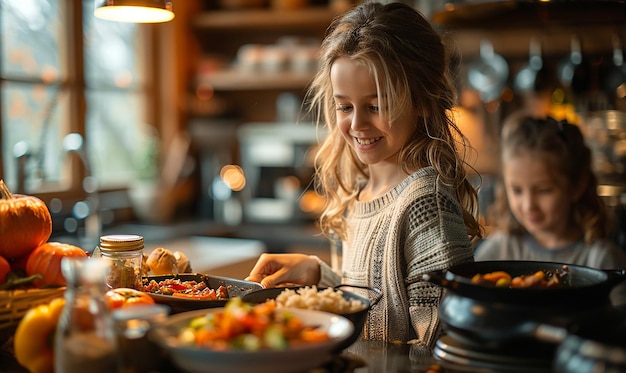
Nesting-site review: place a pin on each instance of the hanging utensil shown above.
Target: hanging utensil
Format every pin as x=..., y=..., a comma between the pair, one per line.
x=532, y=77
x=569, y=65
x=488, y=73
x=614, y=76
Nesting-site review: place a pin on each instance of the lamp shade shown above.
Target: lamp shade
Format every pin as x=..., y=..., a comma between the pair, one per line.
x=136, y=11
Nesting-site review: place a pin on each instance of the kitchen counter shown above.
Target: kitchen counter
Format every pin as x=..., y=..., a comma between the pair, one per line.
x=277, y=237
x=362, y=357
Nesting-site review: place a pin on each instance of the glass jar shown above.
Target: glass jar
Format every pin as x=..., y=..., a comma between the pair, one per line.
x=85, y=339
x=125, y=255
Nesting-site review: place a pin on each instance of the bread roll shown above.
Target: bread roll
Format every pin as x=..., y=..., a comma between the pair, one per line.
x=182, y=262
x=162, y=262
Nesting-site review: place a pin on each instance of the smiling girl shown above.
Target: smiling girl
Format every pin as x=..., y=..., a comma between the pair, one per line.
x=396, y=192
x=549, y=210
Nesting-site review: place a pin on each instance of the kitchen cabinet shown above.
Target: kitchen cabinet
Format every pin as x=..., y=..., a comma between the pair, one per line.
x=249, y=93
x=513, y=27
x=510, y=24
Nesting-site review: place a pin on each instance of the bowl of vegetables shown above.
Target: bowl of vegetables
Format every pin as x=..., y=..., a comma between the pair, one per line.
x=245, y=337
x=350, y=301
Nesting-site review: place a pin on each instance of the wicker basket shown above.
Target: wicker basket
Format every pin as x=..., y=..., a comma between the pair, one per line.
x=15, y=303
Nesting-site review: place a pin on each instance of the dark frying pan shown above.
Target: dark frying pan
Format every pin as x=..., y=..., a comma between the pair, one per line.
x=493, y=317
x=582, y=285
x=235, y=287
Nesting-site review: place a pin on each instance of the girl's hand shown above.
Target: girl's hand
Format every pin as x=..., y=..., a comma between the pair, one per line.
x=272, y=270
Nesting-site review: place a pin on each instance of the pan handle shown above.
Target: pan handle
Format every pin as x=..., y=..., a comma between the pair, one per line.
x=615, y=276
x=550, y=333
x=446, y=279
x=377, y=294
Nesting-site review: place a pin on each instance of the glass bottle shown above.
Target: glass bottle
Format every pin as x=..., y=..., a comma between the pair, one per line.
x=124, y=252
x=85, y=338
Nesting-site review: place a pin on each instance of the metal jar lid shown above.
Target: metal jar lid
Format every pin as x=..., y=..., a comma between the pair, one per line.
x=121, y=242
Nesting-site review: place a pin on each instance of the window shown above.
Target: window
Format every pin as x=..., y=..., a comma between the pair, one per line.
x=35, y=91
x=55, y=82
x=75, y=99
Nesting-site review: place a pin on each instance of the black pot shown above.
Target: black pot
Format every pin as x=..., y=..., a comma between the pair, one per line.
x=357, y=318
x=582, y=286
x=493, y=317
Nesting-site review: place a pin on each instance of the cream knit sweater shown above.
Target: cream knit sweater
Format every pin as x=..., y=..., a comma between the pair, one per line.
x=415, y=228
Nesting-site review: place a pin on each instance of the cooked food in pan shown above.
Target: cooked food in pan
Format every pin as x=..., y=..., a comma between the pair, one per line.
x=185, y=288
x=538, y=279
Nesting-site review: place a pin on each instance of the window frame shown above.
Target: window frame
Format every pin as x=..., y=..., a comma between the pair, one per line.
x=73, y=34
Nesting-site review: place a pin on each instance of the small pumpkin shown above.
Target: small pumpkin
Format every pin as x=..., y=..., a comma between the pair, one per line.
x=46, y=260
x=5, y=268
x=25, y=223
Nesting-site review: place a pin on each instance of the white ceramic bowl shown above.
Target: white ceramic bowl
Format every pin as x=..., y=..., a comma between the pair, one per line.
x=293, y=359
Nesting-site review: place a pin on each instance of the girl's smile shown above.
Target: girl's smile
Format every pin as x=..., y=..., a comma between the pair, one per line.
x=367, y=141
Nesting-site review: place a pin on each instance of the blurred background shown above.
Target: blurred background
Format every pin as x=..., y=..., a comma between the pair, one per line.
x=194, y=127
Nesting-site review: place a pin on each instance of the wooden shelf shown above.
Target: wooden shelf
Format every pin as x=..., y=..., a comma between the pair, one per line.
x=508, y=15
x=314, y=17
x=250, y=89
x=241, y=80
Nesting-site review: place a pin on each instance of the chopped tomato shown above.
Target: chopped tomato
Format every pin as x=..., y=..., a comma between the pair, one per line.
x=176, y=286
x=313, y=335
x=125, y=297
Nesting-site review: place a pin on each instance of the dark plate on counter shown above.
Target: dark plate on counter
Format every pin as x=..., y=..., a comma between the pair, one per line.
x=235, y=287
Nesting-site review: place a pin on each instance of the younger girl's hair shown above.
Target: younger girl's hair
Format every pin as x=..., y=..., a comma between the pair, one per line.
x=410, y=63
x=561, y=146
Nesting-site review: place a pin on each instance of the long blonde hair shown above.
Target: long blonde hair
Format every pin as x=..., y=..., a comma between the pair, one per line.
x=410, y=63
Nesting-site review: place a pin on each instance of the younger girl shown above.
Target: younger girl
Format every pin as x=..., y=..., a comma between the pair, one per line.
x=550, y=210
x=397, y=196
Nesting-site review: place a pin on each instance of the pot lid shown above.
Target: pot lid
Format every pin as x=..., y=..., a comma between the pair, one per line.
x=529, y=13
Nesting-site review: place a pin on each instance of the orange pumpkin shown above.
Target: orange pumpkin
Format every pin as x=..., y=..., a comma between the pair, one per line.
x=19, y=263
x=46, y=260
x=5, y=268
x=25, y=223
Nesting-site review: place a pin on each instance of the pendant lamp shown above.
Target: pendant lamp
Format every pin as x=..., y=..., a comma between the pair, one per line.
x=135, y=11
